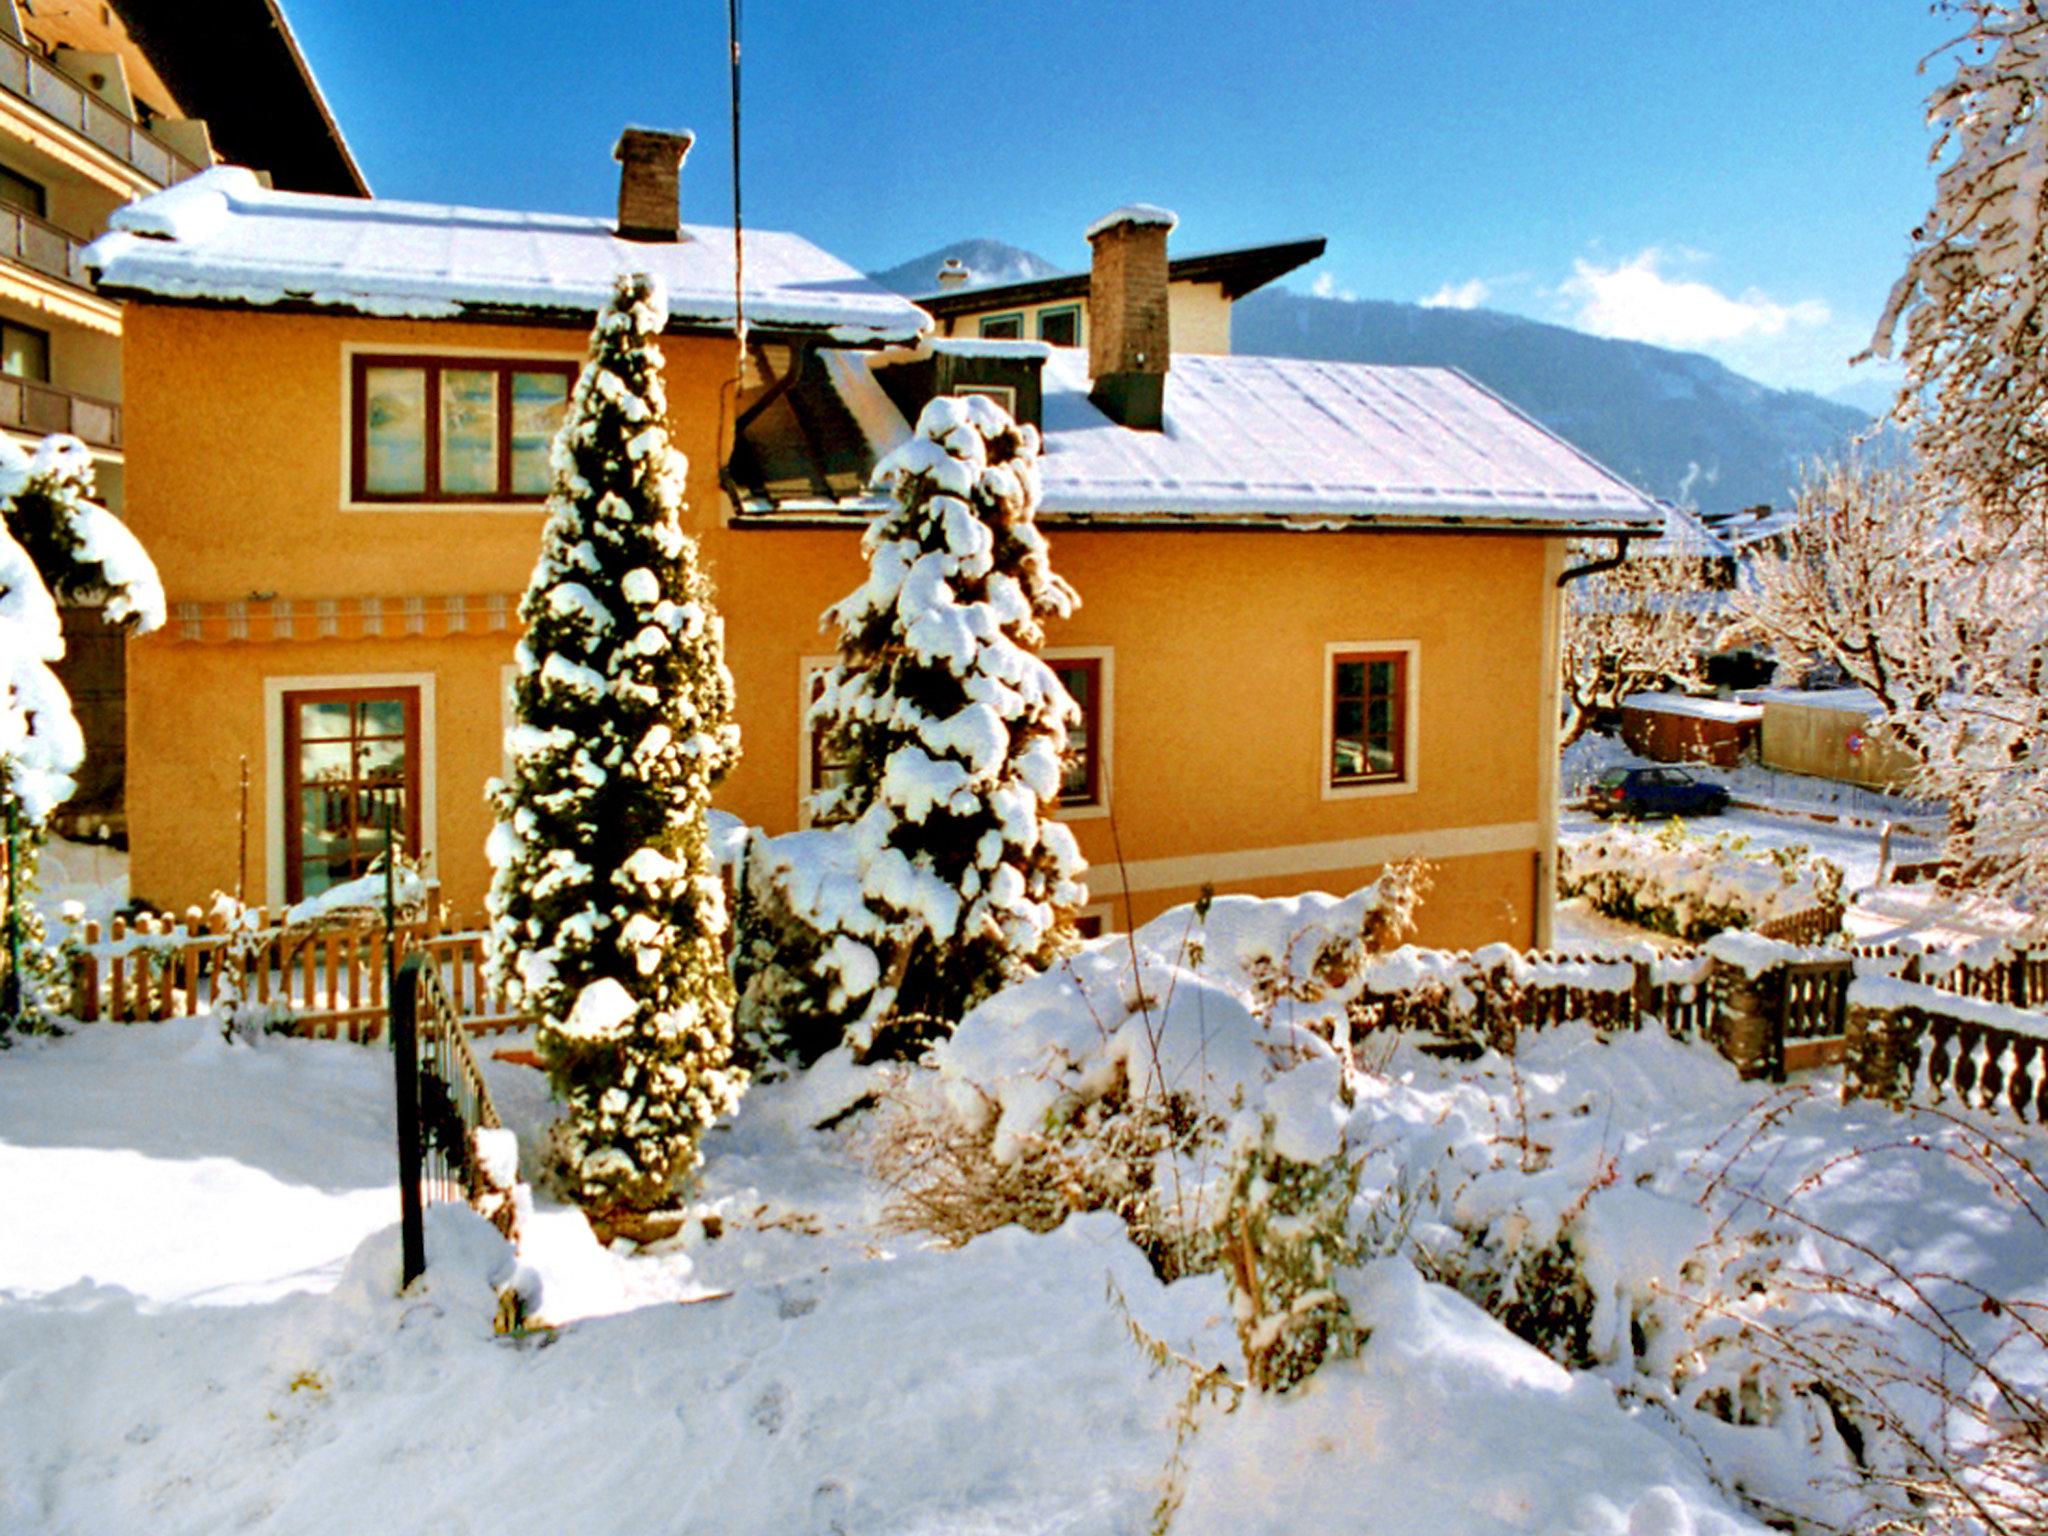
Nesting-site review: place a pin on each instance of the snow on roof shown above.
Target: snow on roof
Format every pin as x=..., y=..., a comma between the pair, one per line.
x=1133, y=213
x=1699, y=709
x=222, y=236
x=1265, y=436
x=1685, y=536
x=1839, y=701
x=1286, y=439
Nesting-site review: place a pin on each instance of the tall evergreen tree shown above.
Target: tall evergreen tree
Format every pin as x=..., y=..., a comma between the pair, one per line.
x=953, y=728
x=607, y=914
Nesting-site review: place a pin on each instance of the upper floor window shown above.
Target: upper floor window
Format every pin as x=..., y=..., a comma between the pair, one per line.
x=1368, y=741
x=455, y=429
x=24, y=352
x=17, y=191
x=1061, y=327
x=1002, y=327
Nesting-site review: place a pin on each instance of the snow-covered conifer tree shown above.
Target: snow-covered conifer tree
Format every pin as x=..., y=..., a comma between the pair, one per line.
x=607, y=913
x=55, y=543
x=953, y=728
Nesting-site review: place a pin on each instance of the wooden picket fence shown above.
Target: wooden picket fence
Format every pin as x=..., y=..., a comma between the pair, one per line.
x=326, y=981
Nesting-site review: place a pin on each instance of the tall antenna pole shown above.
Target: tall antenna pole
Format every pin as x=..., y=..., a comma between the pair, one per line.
x=739, y=255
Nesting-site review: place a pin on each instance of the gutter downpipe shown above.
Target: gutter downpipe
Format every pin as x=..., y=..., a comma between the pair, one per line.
x=1604, y=563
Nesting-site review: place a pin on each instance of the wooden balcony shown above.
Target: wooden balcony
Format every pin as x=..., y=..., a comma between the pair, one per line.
x=35, y=79
x=39, y=244
x=40, y=409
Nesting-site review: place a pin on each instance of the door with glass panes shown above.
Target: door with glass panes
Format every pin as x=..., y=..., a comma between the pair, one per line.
x=350, y=754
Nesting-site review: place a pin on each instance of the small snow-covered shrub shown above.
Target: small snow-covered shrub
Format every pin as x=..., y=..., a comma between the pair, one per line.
x=1674, y=881
x=806, y=948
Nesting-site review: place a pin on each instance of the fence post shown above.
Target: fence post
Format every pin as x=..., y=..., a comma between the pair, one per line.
x=405, y=1062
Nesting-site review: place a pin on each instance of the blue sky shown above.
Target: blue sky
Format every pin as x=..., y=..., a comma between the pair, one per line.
x=1730, y=176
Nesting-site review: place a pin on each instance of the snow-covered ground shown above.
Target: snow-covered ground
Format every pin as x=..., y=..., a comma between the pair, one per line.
x=199, y=1332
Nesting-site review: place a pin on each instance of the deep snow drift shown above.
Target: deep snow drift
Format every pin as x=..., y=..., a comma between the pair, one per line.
x=198, y=1330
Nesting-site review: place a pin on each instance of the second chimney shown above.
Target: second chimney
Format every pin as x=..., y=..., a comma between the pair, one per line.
x=651, y=167
x=1129, y=346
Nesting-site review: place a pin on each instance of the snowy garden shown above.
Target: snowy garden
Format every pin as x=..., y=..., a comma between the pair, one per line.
x=856, y=1191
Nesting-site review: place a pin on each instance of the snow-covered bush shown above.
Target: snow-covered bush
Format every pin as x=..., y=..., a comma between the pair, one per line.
x=803, y=977
x=953, y=730
x=56, y=545
x=1674, y=881
x=607, y=913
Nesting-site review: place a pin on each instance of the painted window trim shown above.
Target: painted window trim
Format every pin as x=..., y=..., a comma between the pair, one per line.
x=351, y=350
x=274, y=817
x=1038, y=323
x=1105, y=727
x=982, y=322
x=1411, y=692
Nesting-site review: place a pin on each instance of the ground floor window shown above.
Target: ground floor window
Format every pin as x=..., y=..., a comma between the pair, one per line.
x=351, y=755
x=1081, y=676
x=1368, y=724
x=825, y=768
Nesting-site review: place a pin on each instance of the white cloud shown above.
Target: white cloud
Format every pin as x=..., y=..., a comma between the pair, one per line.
x=1325, y=287
x=1635, y=300
x=1466, y=295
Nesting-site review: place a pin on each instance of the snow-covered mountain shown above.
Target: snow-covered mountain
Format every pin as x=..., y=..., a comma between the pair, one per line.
x=1678, y=424
x=991, y=261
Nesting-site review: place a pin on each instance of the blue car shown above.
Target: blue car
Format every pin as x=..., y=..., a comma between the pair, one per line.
x=1654, y=792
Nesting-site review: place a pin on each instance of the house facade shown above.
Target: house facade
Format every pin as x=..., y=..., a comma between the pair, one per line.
x=1319, y=601
x=101, y=104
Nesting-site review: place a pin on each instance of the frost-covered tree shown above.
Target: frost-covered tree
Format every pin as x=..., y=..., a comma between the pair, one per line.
x=56, y=544
x=1643, y=625
x=953, y=728
x=1943, y=617
x=607, y=914
x=1969, y=316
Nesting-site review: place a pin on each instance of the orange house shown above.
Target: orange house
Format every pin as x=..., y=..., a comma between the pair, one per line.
x=1320, y=601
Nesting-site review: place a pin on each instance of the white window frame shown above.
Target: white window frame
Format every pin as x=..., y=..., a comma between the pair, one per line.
x=349, y=350
x=1411, y=735
x=274, y=810
x=1105, y=756
x=1004, y=395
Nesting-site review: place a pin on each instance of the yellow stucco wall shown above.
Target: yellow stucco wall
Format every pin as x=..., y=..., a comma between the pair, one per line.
x=1197, y=317
x=1217, y=639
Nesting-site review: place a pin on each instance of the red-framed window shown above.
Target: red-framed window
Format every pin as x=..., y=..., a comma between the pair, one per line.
x=1368, y=717
x=462, y=429
x=1081, y=676
x=348, y=754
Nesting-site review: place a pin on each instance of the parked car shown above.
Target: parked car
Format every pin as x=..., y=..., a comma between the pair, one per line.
x=1655, y=792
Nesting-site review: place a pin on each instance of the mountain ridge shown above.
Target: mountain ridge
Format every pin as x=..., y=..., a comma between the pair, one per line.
x=1677, y=424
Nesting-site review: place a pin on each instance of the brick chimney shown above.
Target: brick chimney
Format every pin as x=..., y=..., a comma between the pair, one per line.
x=1129, y=348
x=650, y=205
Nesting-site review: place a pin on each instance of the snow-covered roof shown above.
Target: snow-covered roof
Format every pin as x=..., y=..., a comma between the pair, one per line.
x=1685, y=537
x=1254, y=440
x=1837, y=701
x=223, y=237
x=1727, y=710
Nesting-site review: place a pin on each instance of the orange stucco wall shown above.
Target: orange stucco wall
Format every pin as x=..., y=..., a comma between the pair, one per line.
x=236, y=480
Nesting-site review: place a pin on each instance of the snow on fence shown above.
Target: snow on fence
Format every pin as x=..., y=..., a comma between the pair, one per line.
x=1908, y=1040
x=325, y=981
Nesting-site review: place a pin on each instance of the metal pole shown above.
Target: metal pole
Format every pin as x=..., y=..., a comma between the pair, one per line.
x=412, y=1237
x=242, y=856
x=10, y=986
x=390, y=914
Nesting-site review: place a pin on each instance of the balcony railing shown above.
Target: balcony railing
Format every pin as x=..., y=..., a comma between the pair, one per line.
x=27, y=406
x=36, y=79
x=40, y=244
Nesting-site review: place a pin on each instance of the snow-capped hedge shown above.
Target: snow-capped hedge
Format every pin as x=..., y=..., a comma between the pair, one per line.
x=1674, y=881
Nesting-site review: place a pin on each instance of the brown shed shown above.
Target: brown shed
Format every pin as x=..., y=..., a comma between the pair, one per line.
x=1675, y=728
